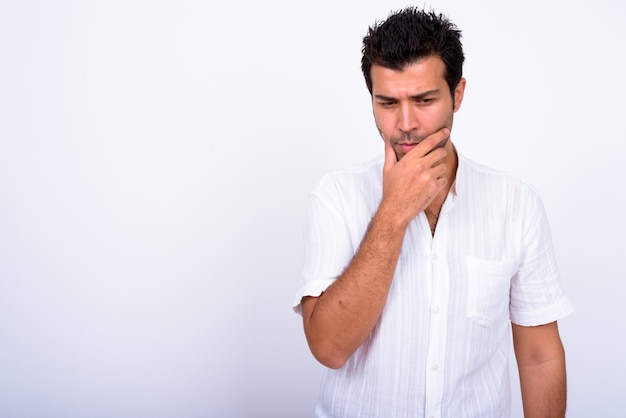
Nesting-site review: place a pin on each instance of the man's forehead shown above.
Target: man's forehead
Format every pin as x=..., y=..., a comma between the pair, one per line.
x=417, y=78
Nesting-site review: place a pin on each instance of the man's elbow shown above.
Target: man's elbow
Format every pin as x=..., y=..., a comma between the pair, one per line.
x=327, y=347
x=330, y=360
x=328, y=354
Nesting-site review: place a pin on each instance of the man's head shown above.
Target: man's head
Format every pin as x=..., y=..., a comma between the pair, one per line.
x=411, y=35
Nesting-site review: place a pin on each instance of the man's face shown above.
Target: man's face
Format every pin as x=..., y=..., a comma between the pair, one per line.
x=413, y=103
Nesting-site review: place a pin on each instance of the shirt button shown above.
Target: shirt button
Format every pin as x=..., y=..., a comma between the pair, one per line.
x=435, y=368
x=436, y=310
x=434, y=257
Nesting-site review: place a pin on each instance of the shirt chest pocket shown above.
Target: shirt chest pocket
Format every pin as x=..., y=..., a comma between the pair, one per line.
x=489, y=283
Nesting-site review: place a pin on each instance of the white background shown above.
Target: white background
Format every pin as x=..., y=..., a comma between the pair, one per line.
x=155, y=158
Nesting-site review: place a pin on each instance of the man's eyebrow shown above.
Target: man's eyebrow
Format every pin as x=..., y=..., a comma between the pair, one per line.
x=418, y=96
x=385, y=98
x=425, y=94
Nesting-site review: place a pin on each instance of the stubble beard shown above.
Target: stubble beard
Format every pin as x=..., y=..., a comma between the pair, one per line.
x=416, y=139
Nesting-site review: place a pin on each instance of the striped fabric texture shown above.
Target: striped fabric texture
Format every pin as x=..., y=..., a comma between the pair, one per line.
x=442, y=344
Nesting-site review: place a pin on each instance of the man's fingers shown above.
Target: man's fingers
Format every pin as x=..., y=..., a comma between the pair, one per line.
x=436, y=140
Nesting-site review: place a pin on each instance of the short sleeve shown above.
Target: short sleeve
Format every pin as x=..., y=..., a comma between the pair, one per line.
x=537, y=291
x=327, y=244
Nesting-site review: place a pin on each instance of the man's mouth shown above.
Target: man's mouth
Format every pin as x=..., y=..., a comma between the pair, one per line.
x=407, y=146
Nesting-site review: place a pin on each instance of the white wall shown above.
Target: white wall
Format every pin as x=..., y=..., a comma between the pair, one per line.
x=154, y=162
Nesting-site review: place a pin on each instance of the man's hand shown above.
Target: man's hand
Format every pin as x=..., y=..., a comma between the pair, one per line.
x=411, y=184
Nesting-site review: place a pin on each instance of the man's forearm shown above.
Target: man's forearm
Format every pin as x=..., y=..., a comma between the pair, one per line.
x=544, y=389
x=338, y=322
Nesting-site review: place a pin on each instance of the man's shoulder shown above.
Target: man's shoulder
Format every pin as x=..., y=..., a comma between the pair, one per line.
x=475, y=176
x=473, y=169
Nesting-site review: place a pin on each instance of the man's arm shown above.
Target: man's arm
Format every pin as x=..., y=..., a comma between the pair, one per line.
x=338, y=321
x=541, y=363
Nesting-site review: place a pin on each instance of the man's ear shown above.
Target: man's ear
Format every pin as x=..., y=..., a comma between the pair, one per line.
x=459, y=91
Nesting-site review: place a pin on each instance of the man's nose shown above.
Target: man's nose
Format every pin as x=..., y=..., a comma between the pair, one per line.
x=407, y=119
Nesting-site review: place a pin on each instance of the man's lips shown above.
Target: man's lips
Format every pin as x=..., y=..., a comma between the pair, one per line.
x=407, y=146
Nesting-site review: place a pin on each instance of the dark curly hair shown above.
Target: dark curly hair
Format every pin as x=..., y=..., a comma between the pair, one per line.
x=409, y=35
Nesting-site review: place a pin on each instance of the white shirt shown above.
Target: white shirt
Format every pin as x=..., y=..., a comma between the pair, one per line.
x=441, y=346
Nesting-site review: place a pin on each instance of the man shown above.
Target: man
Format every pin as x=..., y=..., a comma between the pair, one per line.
x=420, y=265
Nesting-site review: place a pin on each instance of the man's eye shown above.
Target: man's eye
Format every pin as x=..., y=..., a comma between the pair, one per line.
x=386, y=104
x=425, y=101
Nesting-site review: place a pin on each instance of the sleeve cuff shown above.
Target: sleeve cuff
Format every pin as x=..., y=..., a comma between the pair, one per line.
x=310, y=288
x=558, y=310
